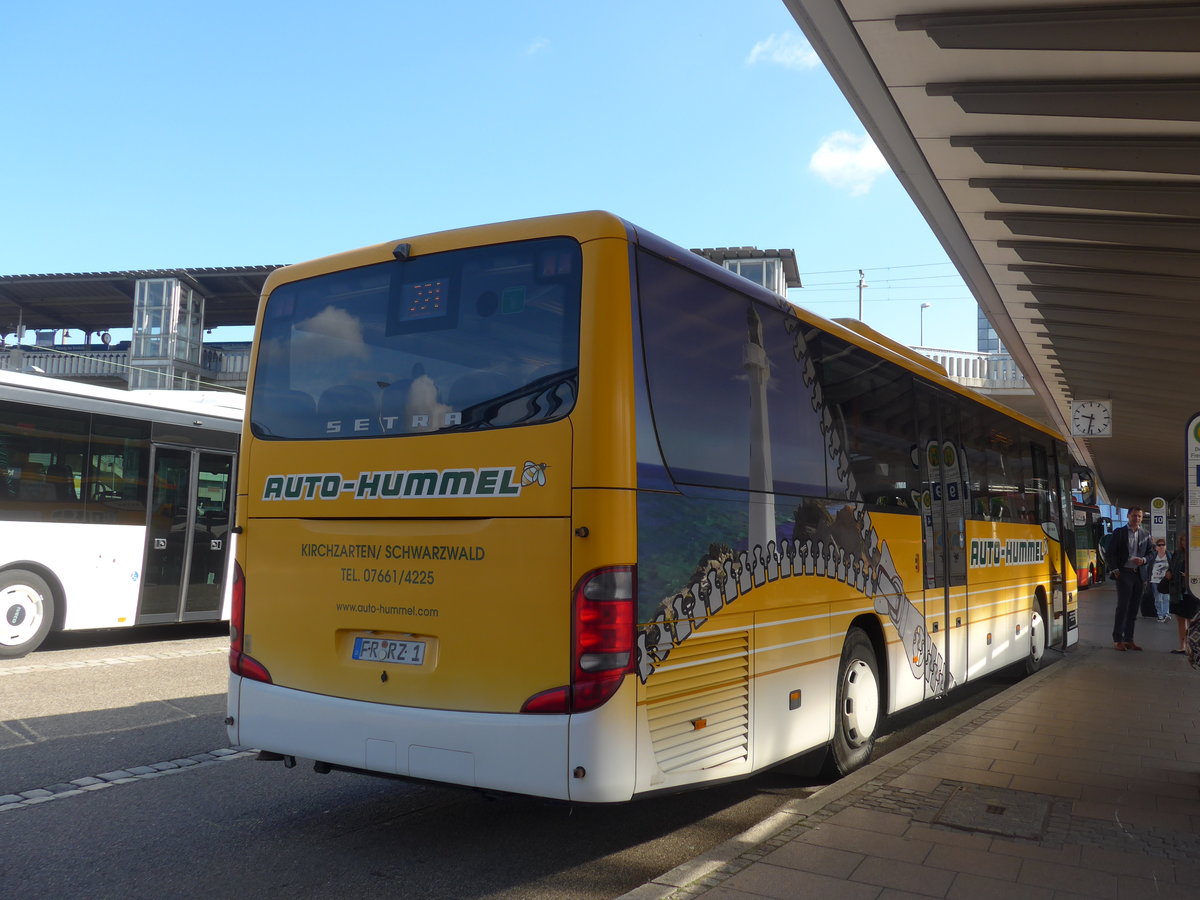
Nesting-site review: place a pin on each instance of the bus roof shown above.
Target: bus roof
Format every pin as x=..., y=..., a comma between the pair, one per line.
x=216, y=404
x=597, y=224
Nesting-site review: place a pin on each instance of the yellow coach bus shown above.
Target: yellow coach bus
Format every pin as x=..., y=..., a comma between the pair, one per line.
x=556, y=507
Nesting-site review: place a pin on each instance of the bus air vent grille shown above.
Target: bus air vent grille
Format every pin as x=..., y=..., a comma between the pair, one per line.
x=698, y=703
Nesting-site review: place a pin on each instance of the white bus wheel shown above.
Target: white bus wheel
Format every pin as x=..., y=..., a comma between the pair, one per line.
x=1037, y=638
x=856, y=719
x=26, y=612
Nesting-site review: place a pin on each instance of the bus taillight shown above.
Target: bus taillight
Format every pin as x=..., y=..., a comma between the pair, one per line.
x=602, y=649
x=239, y=662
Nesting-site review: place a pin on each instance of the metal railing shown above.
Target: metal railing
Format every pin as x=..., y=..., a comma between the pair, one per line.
x=985, y=372
x=223, y=366
x=226, y=366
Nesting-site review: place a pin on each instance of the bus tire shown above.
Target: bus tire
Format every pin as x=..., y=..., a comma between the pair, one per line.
x=856, y=719
x=1037, y=638
x=27, y=607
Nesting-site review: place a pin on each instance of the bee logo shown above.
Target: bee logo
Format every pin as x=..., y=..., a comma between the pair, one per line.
x=534, y=473
x=918, y=647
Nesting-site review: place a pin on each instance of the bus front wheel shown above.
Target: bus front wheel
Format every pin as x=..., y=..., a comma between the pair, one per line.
x=856, y=721
x=27, y=605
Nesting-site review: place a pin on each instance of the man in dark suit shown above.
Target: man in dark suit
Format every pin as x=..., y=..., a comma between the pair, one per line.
x=1128, y=549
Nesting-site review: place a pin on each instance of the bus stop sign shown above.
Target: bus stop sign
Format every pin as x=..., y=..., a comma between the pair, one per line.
x=1193, y=499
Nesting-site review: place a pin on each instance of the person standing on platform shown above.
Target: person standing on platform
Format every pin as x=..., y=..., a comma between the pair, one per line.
x=1184, y=604
x=1128, y=549
x=1157, y=569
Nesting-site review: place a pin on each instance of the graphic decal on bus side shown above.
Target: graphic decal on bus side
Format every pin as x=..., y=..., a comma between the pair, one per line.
x=499, y=481
x=846, y=547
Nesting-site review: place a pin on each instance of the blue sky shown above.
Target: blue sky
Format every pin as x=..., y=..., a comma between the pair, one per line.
x=154, y=135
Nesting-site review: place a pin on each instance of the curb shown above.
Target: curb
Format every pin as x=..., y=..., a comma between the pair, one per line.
x=707, y=864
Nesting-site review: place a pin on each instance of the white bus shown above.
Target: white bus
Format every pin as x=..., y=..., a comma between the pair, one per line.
x=115, y=507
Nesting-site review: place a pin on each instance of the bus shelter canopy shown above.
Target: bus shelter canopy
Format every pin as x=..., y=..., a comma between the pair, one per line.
x=99, y=301
x=1054, y=148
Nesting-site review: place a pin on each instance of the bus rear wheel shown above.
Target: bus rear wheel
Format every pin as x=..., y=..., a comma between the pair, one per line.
x=1037, y=638
x=27, y=605
x=856, y=720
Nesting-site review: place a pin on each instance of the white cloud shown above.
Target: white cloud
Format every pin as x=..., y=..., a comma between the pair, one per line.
x=537, y=46
x=788, y=50
x=850, y=161
x=331, y=333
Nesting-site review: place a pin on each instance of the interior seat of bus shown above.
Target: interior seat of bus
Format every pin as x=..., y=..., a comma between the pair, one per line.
x=62, y=479
x=393, y=401
x=346, y=402
x=287, y=412
x=476, y=387
x=32, y=484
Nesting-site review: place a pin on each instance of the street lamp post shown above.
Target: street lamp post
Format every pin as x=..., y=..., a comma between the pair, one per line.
x=924, y=306
x=862, y=283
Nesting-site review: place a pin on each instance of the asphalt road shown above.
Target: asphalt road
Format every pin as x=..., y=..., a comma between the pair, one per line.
x=90, y=705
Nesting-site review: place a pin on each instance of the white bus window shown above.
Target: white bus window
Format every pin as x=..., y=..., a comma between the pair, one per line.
x=40, y=459
x=118, y=468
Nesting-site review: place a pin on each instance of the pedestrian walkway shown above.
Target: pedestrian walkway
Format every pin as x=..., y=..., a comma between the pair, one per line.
x=1080, y=781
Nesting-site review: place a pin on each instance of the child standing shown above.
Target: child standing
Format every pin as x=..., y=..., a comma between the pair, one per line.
x=1158, y=568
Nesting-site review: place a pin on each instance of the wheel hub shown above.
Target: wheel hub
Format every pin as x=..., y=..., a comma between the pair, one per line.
x=860, y=707
x=22, y=614
x=1037, y=638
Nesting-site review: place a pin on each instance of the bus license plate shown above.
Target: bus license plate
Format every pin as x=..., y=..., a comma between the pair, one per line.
x=409, y=653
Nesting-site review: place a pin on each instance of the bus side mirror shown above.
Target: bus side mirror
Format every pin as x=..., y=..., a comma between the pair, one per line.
x=1083, y=482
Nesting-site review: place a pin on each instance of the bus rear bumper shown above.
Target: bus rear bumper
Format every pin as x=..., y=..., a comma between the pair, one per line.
x=523, y=754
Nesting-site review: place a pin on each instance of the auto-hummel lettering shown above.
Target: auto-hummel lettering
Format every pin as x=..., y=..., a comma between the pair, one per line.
x=497, y=481
x=991, y=552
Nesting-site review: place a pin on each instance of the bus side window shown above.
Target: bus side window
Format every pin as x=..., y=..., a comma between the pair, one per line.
x=33, y=486
x=62, y=480
x=872, y=408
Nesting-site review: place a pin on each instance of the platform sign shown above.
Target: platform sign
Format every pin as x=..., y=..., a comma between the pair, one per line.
x=1193, y=501
x=1158, y=519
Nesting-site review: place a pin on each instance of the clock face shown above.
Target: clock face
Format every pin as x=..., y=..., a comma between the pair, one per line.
x=1091, y=418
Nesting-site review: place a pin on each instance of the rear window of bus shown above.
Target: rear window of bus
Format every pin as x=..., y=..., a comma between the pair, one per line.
x=472, y=339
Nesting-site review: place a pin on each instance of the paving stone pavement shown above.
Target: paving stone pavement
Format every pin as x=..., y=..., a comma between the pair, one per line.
x=1080, y=781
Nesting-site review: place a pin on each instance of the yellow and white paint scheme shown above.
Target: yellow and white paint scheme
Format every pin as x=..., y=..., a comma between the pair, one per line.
x=473, y=543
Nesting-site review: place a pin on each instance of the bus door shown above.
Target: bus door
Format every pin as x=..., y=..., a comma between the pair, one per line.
x=942, y=468
x=187, y=537
x=1058, y=527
